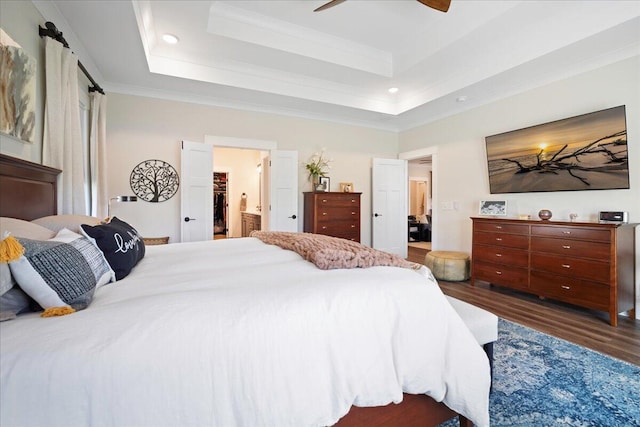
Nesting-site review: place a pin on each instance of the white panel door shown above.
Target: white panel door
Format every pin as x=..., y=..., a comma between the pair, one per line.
x=283, y=190
x=389, y=206
x=196, y=192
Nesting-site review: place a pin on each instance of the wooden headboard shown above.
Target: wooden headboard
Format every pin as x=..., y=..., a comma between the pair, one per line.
x=27, y=190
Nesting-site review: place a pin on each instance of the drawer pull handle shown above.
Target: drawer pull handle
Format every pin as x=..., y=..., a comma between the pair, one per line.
x=499, y=239
x=566, y=232
x=565, y=287
x=324, y=213
x=566, y=266
x=324, y=227
x=499, y=273
x=499, y=227
x=324, y=200
x=498, y=255
x=566, y=247
x=353, y=213
x=353, y=201
x=353, y=226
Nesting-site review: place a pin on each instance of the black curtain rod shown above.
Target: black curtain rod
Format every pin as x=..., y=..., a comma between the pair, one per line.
x=52, y=31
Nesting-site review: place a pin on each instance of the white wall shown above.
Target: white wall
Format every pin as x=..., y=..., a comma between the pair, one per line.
x=140, y=128
x=462, y=164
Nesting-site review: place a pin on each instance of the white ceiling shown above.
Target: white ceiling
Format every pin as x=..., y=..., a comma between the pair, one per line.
x=280, y=56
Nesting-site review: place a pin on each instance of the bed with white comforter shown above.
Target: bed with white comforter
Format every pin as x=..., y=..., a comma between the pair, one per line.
x=240, y=333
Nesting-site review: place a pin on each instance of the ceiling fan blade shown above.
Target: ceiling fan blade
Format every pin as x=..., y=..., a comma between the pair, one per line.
x=441, y=5
x=328, y=5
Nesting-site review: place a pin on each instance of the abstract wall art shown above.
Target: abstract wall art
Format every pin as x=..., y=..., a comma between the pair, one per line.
x=17, y=90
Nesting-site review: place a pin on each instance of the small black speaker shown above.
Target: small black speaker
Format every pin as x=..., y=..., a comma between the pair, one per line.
x=613, y=216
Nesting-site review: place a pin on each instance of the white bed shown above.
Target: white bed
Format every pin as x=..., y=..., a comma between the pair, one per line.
x=240, y=333
x=225, y=333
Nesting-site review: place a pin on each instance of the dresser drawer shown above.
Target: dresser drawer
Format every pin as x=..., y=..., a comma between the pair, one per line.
x=339, y=228
x=500, y=227
x=500, y=255
x=572, y=248
x=352, y=234
x=571, y=233
x=575, y=291
x=332, y=213
x=571, y=267
x=512, y=277
x=501, y=239
x=341, y=200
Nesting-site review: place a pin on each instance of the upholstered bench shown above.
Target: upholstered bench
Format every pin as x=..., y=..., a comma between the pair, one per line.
x=482, y=324
x=448, y=265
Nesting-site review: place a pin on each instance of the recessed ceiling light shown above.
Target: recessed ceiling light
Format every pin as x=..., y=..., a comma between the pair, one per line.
x=393, y=90
x=170, y=38
x=461, y=98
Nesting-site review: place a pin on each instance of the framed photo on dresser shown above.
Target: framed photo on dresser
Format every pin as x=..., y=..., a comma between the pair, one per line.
x=324, y=184
x=493, y=207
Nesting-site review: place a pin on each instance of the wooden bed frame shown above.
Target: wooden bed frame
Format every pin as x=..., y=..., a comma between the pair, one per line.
x=28, y=191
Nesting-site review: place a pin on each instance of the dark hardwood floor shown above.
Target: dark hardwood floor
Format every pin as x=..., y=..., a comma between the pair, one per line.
x=584, y=327
x=581, y=326
x=416, y=254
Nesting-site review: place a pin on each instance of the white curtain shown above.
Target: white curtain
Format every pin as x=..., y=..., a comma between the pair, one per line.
x=62, y=142
x=98, y=155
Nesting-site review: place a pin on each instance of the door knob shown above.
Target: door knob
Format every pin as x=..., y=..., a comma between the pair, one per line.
x=377, y=215
x=293, y=217
x=187, y=219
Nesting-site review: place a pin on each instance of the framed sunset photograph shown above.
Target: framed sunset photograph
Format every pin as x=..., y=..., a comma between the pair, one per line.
x=586, y=152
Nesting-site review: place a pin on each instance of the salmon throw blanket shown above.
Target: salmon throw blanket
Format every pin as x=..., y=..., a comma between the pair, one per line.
x=329, y=253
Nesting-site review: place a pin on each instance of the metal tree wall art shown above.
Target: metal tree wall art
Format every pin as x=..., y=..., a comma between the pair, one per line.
x=154, y=181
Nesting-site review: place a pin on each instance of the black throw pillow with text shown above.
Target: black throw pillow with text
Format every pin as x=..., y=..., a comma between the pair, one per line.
x=120, y=243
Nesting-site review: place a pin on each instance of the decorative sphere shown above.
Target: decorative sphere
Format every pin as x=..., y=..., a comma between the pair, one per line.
x=545, y=214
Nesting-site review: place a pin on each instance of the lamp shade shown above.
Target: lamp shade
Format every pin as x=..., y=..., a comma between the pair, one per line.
x=120, y=199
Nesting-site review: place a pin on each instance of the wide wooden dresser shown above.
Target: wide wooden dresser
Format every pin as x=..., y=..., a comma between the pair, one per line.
x=333, y=214
x=587, y=264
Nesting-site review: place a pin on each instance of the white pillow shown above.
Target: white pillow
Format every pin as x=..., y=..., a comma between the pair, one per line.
x=26, y=229
x=6, y=279
x=13, y=303
x=70, y=222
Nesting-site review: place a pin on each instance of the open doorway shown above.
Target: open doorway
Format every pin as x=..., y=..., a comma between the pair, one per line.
x=426, y=162
x=419, y=207
x=238, y=201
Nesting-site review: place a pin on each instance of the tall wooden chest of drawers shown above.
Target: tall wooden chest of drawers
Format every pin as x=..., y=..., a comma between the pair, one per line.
x=587, y=264
x=333, y=214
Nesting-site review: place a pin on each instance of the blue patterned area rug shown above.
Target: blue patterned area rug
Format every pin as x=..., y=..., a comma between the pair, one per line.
x=543, y=381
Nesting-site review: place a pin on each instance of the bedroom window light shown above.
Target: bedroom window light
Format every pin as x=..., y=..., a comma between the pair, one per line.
x=85, y=112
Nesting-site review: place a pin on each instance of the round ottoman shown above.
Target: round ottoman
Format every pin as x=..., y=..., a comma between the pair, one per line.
x=448, y=265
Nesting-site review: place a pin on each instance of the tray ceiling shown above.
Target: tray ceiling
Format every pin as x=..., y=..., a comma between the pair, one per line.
x=338, y=64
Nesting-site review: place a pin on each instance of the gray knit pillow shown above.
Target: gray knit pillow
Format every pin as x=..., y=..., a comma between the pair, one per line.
x=65, y=270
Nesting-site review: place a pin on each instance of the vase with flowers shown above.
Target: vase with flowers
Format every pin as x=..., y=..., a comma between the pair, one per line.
x=317, y=167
